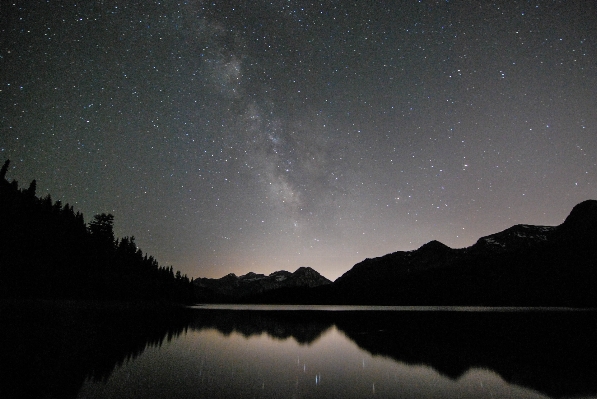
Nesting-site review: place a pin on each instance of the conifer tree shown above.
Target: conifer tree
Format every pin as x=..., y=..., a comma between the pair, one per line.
x=4, y=169
x=32, y=188
x=102, y=228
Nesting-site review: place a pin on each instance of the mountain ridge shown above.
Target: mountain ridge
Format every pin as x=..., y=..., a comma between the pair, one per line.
x=523, y=265
x=232, y=287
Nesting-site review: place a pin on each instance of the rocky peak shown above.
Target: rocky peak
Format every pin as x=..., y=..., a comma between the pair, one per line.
x=586, y=210
x=432, y=249
x=229, y=277
x=517, y=237
x=582, y=219
x=280, y=275
x=433, y=246
x=306, y=276
x=252, y=276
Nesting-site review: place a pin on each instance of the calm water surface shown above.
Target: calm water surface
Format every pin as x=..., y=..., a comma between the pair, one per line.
x=298, y=352
x=333, y=352
x=208, y=364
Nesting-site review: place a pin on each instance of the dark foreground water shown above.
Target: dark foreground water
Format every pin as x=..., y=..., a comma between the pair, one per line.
x=75, y=351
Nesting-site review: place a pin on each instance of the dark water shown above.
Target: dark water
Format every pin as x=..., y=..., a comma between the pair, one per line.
x=86, y=352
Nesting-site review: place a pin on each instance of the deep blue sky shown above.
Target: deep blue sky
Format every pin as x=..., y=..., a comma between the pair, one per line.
x=237, y=136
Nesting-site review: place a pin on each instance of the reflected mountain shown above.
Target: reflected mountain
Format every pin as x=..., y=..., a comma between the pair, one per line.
x=49, y=349
x=305, y=327
x=553, y=352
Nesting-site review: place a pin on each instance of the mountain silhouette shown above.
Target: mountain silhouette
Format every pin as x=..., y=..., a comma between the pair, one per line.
x=232, y=288
x=524, y=265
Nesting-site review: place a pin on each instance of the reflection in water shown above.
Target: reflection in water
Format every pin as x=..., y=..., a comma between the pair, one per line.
x=48, y=349
x=242, y=353
x=551, y=352
x=303, y=326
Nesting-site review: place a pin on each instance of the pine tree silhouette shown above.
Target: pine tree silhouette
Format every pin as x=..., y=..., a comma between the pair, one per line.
x=4, y=169
x=47, y=250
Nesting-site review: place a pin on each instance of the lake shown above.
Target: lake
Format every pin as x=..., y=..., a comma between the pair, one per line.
x=300, y=352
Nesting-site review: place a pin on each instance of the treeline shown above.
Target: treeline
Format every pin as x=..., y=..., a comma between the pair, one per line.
x=48, y=251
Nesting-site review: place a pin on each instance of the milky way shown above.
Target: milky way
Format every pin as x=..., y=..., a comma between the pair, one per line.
x=260, y=136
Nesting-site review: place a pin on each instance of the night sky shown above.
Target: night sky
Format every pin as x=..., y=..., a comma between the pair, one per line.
x=237, y=136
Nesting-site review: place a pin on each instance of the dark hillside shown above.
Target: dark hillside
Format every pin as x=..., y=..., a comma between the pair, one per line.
x=47, y=251
x=524, y=265
x=521, y=266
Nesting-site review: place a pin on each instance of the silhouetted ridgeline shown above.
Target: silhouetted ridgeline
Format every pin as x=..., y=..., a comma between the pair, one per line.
x=47, y=251
x=235, y=289
x=524, y=265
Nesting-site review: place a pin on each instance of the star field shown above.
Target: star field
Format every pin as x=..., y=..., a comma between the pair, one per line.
x=237, y=136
